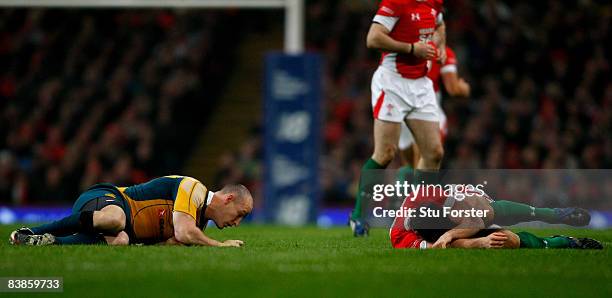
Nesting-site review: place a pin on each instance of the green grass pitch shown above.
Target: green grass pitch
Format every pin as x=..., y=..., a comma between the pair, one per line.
x=312, y=262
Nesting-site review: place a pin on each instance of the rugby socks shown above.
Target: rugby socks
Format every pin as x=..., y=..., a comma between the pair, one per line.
x=76, y=222
x=426, y=177
x=404, y=174
x=529, y=240
x=361, y=191
x=510, y=213
x=80, y=238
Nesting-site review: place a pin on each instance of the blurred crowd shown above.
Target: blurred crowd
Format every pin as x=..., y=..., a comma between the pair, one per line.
x=539, y=72
x=101, y=95
x=109, y=95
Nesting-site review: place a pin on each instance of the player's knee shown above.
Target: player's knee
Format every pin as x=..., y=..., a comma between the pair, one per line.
x=390, y=151
x=434, y=154
x=385, y=153
x=117, y=221
x=438, y=153
x=111, y=221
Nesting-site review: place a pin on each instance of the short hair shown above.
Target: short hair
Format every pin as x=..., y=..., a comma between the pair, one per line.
x=240, y=190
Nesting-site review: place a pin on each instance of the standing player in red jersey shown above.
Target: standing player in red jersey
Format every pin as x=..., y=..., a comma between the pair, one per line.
x=403, y=30
x=455, y=86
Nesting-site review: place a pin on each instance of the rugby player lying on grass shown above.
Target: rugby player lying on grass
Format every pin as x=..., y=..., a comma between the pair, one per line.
x=168, y=210
x=483, y=232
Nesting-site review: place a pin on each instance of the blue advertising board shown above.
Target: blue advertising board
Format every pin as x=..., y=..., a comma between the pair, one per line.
x=292, y=125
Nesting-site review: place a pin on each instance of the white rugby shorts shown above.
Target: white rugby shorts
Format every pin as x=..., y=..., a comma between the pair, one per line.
x=395, y=98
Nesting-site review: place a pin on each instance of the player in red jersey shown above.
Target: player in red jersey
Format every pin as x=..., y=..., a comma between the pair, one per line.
x=423, y=232
x=454, y=85
x=401, y=92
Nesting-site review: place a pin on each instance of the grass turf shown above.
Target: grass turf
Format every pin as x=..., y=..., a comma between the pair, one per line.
x=282, y=261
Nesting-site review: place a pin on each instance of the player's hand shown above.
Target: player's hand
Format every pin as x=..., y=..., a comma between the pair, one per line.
x=443, y=241
x=442, y=55
x=495, y=240
x=424, y=50
x=232, y=243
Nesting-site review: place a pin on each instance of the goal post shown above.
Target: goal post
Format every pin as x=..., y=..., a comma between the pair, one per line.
x=294, y=11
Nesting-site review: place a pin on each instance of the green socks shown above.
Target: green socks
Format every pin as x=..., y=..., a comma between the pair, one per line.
x=529, y=240
x=369, y=165
x=426, y=177
x=76, y=222
x=404, y=173
x=80, y=238
x=509, y=213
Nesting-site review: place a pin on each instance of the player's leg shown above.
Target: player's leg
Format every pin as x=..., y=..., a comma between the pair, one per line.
x=78, y=238
x=406, y=146
x=73, y=223
x=424, y=123
x=79, y=221
x=97, y=216
x=109, y=220
x=388, y=112
x=93, y=215
x=386, y=135
x=509, y=213
x=427, y=137
x=407, y=150
x=82, y=217
x=416, y=155
x=528, y=240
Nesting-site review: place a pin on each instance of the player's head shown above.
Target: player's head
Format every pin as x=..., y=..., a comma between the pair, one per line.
x=235, y=202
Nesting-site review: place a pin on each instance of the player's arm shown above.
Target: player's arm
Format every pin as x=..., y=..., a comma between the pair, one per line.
x=186, y=232
x=493, y=240
x=440, y=38
x=454, y=234
x=466, y=228
x=454, y=85
x=378, y=38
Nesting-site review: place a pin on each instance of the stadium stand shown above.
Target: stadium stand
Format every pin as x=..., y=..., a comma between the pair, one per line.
x=103, y=95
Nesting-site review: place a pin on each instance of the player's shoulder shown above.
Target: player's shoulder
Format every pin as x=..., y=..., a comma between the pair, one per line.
x=437, y=4
x=399, y=7
x=392, y=7
x=396, y=2
x=182, y=177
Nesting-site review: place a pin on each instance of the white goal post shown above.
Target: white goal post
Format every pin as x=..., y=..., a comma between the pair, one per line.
x=294, y=11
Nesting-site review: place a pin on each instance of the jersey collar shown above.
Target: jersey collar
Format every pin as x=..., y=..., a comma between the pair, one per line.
x=209, y=198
